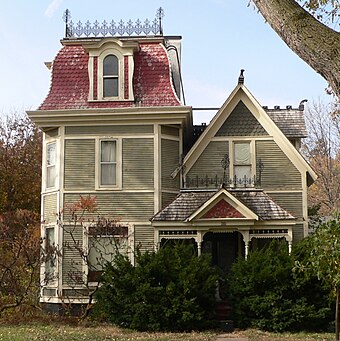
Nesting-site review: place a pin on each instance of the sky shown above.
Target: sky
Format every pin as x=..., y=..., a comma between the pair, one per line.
x=219, y=37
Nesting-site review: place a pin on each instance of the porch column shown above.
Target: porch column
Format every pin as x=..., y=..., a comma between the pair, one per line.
x=246, y=240
x=199, y=239
x=246, y=250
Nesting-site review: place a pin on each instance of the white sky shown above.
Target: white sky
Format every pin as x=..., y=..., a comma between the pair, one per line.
x=219, y=37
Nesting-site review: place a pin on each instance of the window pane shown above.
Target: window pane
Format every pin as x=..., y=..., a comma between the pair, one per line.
x=110, y=87
x=108, y=174
x=242, y=153
x=242, y=171
x=108, y=151
x=110, y=66
x=51, y=154
x=51, y=176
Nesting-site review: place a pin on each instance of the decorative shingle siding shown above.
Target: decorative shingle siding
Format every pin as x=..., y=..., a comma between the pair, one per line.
x=50, y=208
x=138, y=163
x=109, y=130
x=144, y=238
x=241, y=122
x=152, y=83
x=292, y=202
x=72, y=265
x=279, y=172
x=209, y=162
x=79, y=170
x=126, y=207
x=169, y=162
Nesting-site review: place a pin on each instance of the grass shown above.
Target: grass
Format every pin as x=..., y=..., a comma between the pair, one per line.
x=43, y=328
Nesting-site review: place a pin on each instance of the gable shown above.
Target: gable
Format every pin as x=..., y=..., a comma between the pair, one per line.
x=223, y=210
x=241, y=122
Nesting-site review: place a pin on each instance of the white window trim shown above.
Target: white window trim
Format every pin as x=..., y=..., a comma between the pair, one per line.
x=118, y=185
x=44, y=169
x=54, y=281
x=100, y=86
x=252, y=156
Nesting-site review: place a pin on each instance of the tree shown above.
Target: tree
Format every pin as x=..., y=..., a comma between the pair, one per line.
x=324, y=259
x=20, y=164
x=317, y=44
x=322, y=150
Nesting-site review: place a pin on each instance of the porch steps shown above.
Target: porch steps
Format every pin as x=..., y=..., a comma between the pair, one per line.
x=223, y=316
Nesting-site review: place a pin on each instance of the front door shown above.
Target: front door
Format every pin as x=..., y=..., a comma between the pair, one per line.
x=224, y=248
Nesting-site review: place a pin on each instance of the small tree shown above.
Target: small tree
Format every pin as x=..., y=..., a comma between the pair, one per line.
x=324, y=259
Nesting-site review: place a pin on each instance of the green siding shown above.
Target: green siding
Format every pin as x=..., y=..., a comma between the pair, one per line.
x=119, y=205
x=166, y=130
x=298, y=233
x=209, y=163
x=279, y=172
x=48, y=292
x=72, y=265
x=291, y=202
x=241, y=122
x=169, y=162
x=50, y=208
x=109, y=130
x=79, y=170
x=167, y=198
x=52, y=133
x=138, y=163
x=144, y=238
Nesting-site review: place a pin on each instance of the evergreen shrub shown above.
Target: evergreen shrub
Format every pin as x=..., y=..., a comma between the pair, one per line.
x=168, y=290
x=268, y=293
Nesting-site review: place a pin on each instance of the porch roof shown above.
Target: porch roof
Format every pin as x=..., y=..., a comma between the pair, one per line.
x=188, y=202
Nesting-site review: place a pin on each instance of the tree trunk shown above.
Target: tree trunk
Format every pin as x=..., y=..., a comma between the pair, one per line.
x=314, y=42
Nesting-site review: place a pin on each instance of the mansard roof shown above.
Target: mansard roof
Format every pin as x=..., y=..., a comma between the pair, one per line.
x=152, y=83
x=188, y=202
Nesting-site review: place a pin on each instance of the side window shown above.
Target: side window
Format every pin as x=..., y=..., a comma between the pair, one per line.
x=51, y=156
x=242, y=162
x=50, y=254
x=110, y=76
x=108, y=163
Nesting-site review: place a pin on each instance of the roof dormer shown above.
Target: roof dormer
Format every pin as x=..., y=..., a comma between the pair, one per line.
x=110, y=69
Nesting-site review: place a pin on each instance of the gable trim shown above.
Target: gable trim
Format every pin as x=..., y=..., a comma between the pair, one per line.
x=230, y=199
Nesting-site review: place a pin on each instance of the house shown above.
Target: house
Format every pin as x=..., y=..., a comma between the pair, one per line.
x=115, y=129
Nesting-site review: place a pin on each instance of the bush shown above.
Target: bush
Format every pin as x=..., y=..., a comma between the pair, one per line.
x=172, y=290
x=268, y=294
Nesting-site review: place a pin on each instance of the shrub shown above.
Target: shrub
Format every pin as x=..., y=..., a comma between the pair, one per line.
x=267, y=294
x=171, y=290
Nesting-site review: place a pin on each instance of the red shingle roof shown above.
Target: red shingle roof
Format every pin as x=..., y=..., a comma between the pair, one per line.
x=69, y=88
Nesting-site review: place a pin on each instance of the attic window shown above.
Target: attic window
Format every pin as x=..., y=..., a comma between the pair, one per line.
x=110, y=76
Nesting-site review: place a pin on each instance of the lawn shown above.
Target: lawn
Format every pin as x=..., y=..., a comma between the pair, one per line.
x=98, y=332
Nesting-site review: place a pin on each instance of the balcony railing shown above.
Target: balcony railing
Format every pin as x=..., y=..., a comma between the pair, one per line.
x=216, y=181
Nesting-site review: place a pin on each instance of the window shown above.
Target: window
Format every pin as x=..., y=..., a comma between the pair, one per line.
x=110, y=76
x=50, y=254
x=51, y=165
x=108, y=163
x=242, y=160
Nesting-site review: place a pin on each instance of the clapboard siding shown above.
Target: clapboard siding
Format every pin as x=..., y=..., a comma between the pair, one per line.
x=291, y=202
x=72, y=265
x=123, y=206
x=138, y=163
x=298, y=232
x=52, y=132
x=79, y=170
x=50, y=208
x=209, y=162
x=279, y=172
x=144, y=238
x=172, y=131
x=169, y=162
x=167, y=198
x=109, y=130
x=241, y=122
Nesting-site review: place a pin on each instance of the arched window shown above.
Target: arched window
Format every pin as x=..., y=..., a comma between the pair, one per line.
x=110, y=76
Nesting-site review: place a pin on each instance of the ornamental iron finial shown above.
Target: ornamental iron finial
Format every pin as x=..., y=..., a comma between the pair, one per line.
x=241, y=78
x=160, y=15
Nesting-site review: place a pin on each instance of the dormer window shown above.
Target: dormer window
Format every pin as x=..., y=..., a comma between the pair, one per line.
x=110, y=76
